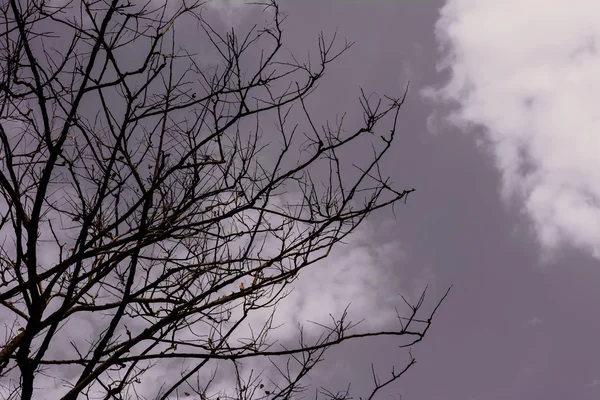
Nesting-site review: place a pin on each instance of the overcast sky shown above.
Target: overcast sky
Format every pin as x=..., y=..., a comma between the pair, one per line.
x=498, y=137
x=500, y=140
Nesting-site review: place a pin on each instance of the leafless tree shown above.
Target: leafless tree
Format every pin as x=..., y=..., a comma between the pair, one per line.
x=140, y=193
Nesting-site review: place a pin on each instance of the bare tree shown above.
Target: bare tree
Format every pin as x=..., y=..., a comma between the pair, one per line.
x=141, y=193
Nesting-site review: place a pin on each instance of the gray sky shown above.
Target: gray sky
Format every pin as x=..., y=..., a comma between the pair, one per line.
x=497, y=137
x=502, y=209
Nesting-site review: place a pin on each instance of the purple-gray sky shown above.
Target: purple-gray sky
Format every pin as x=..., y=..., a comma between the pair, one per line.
x=497, y=138
x=504, y=208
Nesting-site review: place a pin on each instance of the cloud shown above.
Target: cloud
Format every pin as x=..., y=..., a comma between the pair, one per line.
x=528, y=74
x=359, y=274
x=535, y=321
x=231, y=11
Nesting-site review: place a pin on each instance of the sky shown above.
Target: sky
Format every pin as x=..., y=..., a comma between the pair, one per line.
x=498, y=138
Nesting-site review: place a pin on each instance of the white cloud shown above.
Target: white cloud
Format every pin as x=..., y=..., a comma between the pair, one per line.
x=535, y=321
x=358, y=273
x=529, y=73
x=231, y=11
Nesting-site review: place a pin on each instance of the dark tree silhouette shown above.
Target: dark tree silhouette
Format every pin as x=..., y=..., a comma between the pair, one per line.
x=141, y=193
